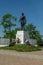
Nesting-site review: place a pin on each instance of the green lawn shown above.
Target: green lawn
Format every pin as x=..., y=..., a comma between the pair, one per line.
x=22, y=48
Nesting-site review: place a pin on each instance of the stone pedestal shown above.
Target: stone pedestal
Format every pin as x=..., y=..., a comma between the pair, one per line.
x=22, y=36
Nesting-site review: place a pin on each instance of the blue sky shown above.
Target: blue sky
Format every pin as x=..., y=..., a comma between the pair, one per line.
x=33, y=10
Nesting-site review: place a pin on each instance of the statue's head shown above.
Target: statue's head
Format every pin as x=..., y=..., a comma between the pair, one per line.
x=22, y=14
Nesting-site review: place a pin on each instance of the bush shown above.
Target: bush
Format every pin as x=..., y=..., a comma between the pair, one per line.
x=22, y=48
x=18, y=40
x=40, y=44
x=12, y=44
x=26, y=48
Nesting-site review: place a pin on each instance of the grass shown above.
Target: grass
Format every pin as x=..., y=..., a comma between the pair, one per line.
x=22, y=48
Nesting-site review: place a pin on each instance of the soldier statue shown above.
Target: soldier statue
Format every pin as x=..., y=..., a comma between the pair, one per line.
x=22, y=21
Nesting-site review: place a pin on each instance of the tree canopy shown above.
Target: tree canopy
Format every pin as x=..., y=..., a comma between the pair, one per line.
x=33, y=32
x=7, y=23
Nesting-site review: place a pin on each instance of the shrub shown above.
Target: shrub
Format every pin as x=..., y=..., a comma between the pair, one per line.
x=12, y=44
x=22, y=48
x=18, y=40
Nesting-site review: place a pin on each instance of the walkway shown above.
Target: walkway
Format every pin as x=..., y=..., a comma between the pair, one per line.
x=8, y=57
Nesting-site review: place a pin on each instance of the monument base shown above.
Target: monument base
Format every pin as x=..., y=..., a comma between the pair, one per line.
x=21, y=36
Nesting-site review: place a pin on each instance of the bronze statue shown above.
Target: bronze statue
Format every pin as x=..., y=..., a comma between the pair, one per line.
x=23, y=21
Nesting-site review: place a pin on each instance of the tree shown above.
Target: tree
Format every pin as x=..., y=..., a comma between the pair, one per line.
x=7, y=24
x=33, y=32
x=12, y=33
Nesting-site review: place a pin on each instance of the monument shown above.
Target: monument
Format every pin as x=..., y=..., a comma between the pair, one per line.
x=22, y=35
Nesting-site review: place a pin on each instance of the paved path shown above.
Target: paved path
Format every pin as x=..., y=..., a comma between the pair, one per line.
x=23, y=54
x=8, y=57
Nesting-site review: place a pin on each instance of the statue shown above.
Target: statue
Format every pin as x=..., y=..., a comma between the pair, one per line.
x=22, y=21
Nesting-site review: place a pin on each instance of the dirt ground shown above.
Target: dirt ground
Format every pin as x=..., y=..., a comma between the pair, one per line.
x=17, y=60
